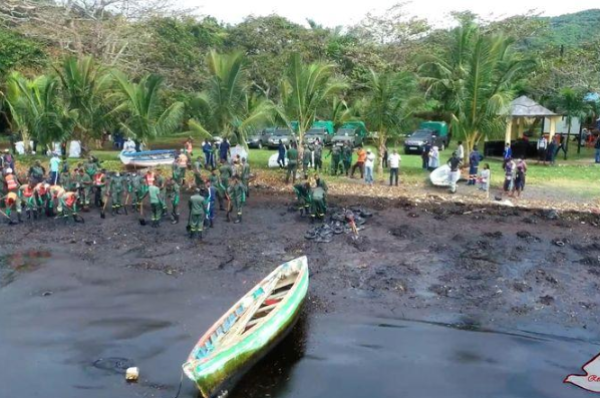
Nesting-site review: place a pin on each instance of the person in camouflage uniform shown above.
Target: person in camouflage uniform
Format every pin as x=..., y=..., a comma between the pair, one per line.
x=197, y=207
x=237, y=196
x=173, y=192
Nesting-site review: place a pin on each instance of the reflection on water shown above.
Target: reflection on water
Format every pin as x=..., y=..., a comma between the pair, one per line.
x=270, y=376
x=20, y=262
x=343, y=357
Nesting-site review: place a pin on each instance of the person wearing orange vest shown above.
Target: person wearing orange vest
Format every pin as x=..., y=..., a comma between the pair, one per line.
x=26, y=193
x=67, y=204
x=13, y=202
x=56, y=191
x=360, y=163
x=41, y=193
x=12, y=184
x=99, y=188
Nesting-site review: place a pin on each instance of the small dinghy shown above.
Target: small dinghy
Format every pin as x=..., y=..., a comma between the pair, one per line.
x=248, y=330
x=440, y=177
x=148, y=158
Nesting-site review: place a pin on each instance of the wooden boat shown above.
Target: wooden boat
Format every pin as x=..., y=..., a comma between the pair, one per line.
x=148, y=158
x=248, y=330
x=440, y=177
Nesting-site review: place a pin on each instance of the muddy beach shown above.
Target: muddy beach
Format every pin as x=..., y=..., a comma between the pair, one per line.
x=79, y=302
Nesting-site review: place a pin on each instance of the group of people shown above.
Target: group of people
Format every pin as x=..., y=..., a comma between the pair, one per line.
x=62, y=193
x=341, y=161
x=311, y=197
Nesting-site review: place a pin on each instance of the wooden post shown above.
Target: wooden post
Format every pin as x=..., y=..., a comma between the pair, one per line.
x=552, y=128
x=508, y=135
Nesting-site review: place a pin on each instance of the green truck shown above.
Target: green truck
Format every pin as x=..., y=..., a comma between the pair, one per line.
x=436, y=133
x=353, y=132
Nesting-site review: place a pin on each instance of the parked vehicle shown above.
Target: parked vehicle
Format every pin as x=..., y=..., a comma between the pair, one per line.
x=432, y=132
x=323, y=130
x=286, y=136
x=260, y=139
x=353, y=132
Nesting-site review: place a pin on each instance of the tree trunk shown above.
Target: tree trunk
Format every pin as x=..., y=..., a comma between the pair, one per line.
x=567, y=142
x=381, y=149
x=580, y=136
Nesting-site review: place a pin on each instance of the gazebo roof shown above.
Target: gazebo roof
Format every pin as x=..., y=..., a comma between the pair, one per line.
x=526, y=107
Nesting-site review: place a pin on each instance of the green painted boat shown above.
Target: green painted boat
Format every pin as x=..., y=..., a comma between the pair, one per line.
x=245, y=333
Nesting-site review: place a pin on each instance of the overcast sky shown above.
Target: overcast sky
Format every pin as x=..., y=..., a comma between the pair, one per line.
x=348, y=12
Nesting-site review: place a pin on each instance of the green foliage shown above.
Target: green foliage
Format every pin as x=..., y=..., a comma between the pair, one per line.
x=18, y=52
x=475, y=81
x=393, y=99
x=227, y=107
x=85, y=86
x=139, y=104
x=305, y=89
x=35, y=112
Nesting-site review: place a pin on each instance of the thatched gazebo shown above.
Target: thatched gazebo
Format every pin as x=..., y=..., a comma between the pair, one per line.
x=525, y=108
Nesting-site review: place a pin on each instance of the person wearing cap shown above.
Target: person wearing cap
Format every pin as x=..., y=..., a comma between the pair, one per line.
x=369, y=166
x=54, y=169
x=197, y=205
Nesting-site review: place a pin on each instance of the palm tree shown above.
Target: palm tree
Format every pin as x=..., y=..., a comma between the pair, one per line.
x=391, y=101
x=143, y=116
x=572, y=104
x=474, y=79
x=35, y=110
x=305, y=89
x=85, y=86
x=227, y=107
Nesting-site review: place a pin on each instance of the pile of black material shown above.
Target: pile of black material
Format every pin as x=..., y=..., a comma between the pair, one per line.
x=339, y=222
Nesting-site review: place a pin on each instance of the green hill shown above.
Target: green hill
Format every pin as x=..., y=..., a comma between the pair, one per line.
x=572, y=30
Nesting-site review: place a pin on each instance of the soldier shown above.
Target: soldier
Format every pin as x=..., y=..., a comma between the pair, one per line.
x=237, y=198
x=292, y=156
x=246, y=176
x=318, y=154
x=215, y=182
x=173, y=190
x=318, y=203
x=65, y=177
x=347, y=158
x=13, y=203
x=226, y=172
x=198, y=173
x=336, y=156
x=161, y=183
x=197, y=206
x=116, y=193
x=303, y=194
x=84, y=187
x=26, y=195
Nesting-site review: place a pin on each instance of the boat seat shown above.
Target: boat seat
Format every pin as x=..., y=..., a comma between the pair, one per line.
x=267, y=308
x=279, y=295
x=285, y=283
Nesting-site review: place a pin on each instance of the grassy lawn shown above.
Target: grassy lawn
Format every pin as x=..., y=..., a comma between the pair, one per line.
x=578, y=176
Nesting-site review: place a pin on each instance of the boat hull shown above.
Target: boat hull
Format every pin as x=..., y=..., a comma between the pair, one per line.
x=223, y=371
x=150, y=160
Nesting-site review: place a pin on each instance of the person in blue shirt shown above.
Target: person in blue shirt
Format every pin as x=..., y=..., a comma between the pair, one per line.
x=507, y=151
x=281, y=155
x=474, y=159
x=54, y=168
x=224, y=150
x=207, y=149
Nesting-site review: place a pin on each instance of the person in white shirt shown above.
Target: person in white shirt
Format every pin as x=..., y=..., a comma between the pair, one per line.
x=394, y=163
x=484, y=179
x=369, y=165
x=460, y=151
x=434, y=158
x=542, y=147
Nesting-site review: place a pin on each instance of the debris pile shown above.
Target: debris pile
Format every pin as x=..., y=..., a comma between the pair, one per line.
x=341, y=221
